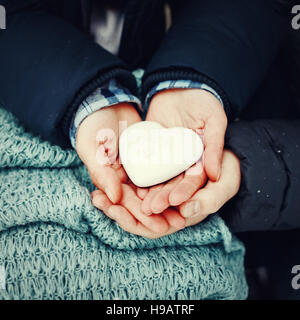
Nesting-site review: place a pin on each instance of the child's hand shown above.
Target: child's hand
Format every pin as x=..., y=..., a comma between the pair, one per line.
x=194, y=109
x=97, y=145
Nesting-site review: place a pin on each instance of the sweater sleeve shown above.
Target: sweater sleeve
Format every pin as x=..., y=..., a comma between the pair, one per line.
x=269, y=152
x=48, y=66
x=229, y=45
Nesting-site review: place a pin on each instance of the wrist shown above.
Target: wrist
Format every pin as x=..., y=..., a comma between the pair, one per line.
x=109, y=118
x=118, y=111
x=187, y=97
x=125, y=111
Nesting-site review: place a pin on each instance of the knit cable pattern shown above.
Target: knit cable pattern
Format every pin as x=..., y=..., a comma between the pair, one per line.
x=55, y=245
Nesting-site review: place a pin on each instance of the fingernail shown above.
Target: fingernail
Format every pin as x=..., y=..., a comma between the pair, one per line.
x=192, y=208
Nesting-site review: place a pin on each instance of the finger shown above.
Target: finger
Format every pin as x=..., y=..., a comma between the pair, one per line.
x=142, y=192
x=160, y=200
x=120, y=171
x=174, y=218
x=133, y=203
x=122, y=216
x=215, y=194
x=194, y=178
x=128, y=223
x=204, y=202
x=146, y=204
x=100, y=200
x=106, y=179
x=214, y=143
x=104, y=176
x=107, y=141
x=122, y=175
x=209, y=200
x=105, y=170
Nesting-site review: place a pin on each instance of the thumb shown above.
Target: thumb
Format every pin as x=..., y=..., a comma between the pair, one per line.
x=105, y=176
x=106, y=179
x=101, y=165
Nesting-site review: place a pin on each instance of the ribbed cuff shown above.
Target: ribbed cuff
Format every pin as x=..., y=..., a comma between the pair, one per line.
x=122, y=75
x=152, y=79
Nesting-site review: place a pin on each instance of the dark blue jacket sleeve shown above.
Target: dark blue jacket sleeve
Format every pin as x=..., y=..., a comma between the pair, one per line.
x=48, y=66
x=269, y=153
x=230, y=45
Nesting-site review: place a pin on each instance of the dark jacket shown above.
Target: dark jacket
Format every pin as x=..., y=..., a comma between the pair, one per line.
x=269, y=153
x=269, y=197
x=49, y=62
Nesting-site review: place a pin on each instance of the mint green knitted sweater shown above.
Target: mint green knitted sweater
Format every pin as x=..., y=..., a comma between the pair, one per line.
x=55, y=245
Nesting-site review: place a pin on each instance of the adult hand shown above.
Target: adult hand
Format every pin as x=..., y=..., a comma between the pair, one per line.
x=214, y=195
x=129, y=216
x=97, y=143
x=175, y=192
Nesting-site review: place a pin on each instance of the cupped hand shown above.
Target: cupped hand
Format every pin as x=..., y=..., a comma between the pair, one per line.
x=215, y=194
x=129, y=216
x=194, y=109
x=173, y=193
x=198, y=110
x=97, y=145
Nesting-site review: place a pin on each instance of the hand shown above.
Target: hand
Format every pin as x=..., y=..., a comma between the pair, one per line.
x=173, y=193
x=129, y=216
x=206, y=201
x=97, y=143
x=214, y=195
x=195, y=109
x=97, y=146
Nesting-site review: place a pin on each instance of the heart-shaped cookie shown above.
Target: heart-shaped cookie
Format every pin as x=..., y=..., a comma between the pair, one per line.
x=152, y=154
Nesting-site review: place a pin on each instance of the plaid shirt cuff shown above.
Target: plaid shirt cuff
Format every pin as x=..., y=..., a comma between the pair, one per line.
x=179, y=84
x=110, y=94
